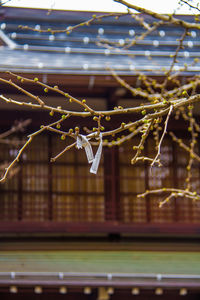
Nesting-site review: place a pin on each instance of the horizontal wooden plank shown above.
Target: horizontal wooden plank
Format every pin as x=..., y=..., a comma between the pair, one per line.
x=101, y=261
x=154, y=229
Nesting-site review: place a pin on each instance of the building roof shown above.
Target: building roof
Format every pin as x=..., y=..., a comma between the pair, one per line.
x=78, y=52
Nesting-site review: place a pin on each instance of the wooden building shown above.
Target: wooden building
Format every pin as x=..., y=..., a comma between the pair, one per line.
x=66, y=233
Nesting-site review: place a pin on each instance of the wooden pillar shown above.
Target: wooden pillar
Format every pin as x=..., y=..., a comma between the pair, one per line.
x=111, y=173
x=49, y=178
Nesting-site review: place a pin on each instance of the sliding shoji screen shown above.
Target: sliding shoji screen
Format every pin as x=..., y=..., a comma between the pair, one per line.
x=135, y=179
x=77, y=195
x=188, y=210
x=132, y=182
x=159, y=177
x=65, y=191
x=9, y=189
x=61, y=191
x=35, y=181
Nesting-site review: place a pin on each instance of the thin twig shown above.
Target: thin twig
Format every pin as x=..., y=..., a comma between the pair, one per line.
x=20, y=126
x=162, y=137
x=53, y=159
x=30, y=138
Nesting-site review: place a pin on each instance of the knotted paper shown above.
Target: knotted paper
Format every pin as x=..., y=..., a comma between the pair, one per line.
x=82, y=142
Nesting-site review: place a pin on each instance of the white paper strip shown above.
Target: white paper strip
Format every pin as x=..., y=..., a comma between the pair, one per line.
x=95, y=164
x=88, y=149
x=81, y=142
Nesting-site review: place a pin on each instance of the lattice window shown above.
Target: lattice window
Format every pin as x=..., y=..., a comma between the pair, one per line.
x=65, y=191
x=132, y=182
x=61, y=191
x=9, y=189
x=159, y=177
x=188, y=210
x=135, y=179
x=78, y=195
